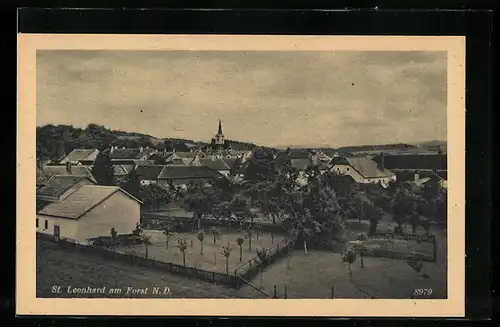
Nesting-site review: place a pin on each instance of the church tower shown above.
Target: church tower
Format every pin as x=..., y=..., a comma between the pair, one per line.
x=219, y=137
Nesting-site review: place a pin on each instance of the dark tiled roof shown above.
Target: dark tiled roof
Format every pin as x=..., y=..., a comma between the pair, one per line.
x=40, y=204
x=78, y=171
x=186, y=172
x=216, y=164
x=176, y=162
x=304, y=164
x=363, y=165
x=231, y=162
x=410, y=161
x=119, y=170
x=186, y=155
x=79, y=154
x=57, y=185
x=81, y=201
x=148, y=172
x=129, y=153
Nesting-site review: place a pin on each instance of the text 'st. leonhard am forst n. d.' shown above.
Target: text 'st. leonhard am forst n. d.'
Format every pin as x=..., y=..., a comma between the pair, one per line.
x=125, y=291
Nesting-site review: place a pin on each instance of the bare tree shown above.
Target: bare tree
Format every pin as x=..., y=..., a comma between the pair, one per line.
x=240, y=241
x=226, y=252
x=182, y=245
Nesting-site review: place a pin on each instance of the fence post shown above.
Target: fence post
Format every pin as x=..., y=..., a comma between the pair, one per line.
x=434, y=251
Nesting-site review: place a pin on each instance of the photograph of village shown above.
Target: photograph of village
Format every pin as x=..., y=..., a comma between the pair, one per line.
x=241, y=174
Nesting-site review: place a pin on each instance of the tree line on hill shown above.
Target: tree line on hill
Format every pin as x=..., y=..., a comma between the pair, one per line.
x=54, y=141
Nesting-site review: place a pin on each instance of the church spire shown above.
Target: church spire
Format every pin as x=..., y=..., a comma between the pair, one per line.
x=220, y=128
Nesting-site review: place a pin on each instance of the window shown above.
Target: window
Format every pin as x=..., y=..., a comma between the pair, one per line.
x=37, y=220
x=46, y=224
x=347, y=169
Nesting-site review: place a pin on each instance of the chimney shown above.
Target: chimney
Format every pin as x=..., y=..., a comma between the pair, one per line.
x=111, y=149
x=141, y=148
x=416, y=177
x=381, y=164
x=68, y=167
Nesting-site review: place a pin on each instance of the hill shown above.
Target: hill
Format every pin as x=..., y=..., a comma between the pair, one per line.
x=54, y=141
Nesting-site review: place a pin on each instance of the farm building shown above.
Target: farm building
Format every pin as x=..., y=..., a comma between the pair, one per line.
x=81, y=157
x=413, y=161
x=89, y=211
x=129, y=155
x=183, y=175
x=362, y=170
x=148, y=174
x=45, y=172
x=213, y=163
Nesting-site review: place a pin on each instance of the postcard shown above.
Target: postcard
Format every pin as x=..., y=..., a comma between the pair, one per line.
x=234, y=175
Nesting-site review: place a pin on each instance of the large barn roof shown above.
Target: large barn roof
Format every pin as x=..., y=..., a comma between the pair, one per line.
x=81, y=201
x=363, y=165
x=78, y=154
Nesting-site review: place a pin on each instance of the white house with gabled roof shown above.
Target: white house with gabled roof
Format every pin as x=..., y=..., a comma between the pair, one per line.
x=89, y=212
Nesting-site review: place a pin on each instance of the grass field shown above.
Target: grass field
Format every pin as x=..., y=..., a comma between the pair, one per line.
x=313, y=275
x=58, y=267
x=158, y=249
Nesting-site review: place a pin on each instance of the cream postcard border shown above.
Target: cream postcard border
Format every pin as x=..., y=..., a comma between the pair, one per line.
x=28, y=304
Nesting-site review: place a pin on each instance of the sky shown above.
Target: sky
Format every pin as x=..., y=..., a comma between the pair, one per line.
x=309, y=99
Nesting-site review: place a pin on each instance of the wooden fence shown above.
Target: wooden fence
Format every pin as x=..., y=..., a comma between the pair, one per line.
x=250, y=269
x=190, y=272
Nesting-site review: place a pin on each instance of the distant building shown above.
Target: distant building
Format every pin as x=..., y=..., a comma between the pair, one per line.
x=183, y=175
x=129, y=155
x=413, y=161
x=45, y=172
x=213, y=163
x=148, y=174
x=89, y=211
x=81, y=156
x=362, y=170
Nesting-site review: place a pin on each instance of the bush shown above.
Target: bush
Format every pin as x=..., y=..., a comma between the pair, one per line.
x=361, y=237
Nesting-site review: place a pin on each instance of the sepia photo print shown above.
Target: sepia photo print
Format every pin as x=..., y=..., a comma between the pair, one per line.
x=243, y=174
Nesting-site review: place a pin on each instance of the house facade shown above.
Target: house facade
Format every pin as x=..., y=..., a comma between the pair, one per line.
x=362, y=170
x=90, y=211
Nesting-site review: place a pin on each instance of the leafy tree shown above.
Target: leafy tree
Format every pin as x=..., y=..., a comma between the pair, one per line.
x=182, y=245
x=133, y=185
x=215, y=233
x=226, y=252
x=241, y=208
x=199, y=201
x=426, y=225
x=313, y=211
x=240, y=241
x=201, y=236
x=103, y=170
x=154, y=195
x=349, y=256
x=260, y=166
x=404, y=207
